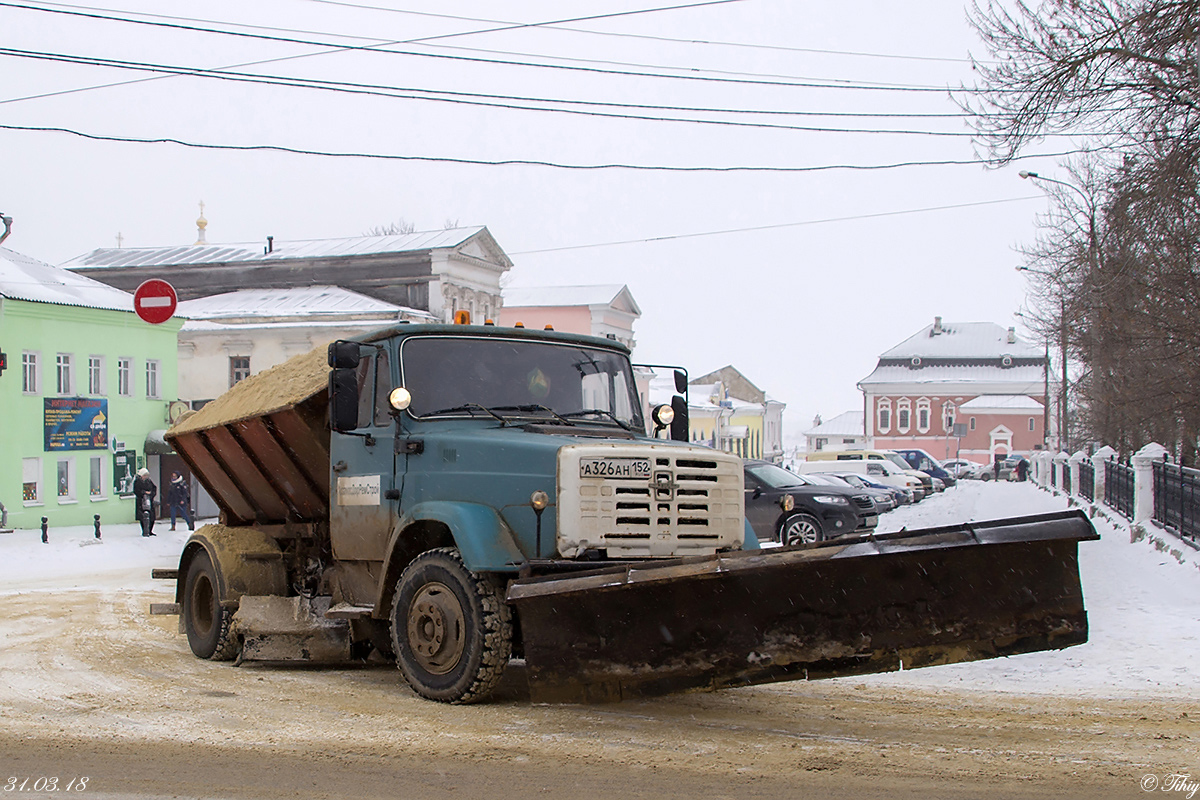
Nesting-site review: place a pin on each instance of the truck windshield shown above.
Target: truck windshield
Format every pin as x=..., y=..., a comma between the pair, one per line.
x=453, y=375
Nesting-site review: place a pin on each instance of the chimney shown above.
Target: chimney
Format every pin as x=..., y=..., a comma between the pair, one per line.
x=1012, y=335
x=937, y=327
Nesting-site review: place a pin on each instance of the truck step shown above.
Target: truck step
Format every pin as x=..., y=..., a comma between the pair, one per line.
x=164, y=574
x=348, y=611
x=165, y=609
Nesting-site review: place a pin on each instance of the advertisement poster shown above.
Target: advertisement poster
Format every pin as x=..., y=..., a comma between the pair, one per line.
x=76, y=423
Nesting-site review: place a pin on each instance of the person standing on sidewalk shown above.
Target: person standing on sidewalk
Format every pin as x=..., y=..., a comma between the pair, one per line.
x=144, y=490
x=179, y=500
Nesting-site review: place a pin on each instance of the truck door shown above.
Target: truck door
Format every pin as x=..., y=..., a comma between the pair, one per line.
x=363, y=465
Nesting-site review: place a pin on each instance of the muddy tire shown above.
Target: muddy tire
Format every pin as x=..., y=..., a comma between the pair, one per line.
x=801, y=529
x=204, y=619
x=451, y=628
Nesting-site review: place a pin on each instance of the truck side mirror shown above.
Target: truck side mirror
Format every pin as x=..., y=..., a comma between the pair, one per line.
x=343, y=397
x=681, y=381
x=679, y=425
x=344, y=355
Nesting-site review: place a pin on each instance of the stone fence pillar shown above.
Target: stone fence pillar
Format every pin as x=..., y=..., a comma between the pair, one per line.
x=1143, y=480
x=1073, y=465
x=1098, y=458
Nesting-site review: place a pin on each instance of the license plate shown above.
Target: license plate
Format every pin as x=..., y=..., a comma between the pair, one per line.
x=615, y=468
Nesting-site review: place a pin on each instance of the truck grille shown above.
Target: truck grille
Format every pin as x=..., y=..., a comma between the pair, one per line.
x=648, y=500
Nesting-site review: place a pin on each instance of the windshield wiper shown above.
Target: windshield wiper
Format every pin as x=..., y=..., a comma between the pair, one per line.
x=471, y=407
x=601, y=412
x=534, y=408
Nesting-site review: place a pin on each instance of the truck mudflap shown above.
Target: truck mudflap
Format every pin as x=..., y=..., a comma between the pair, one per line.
x=850, y=606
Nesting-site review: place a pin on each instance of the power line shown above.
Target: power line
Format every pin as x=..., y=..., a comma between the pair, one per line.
x=804, y=84
x=471, y=98
x=378, y=42
x=749, y=45
x=508, y=162
x=777, y=226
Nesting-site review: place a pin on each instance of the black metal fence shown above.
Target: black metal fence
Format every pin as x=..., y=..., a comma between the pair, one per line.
x=1053, y=475
x=1066, y=473
x=1118, y=487
x=1087, y=480
x=1176, y=500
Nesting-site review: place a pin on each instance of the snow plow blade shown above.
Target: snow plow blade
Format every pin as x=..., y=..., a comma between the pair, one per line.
x=850, y=606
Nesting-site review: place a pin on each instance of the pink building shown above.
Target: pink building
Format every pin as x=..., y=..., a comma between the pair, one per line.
x=970, y=390
x=607, y=310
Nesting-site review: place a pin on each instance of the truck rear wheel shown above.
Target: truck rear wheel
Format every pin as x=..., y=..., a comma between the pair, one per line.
x=451, y=628
x=205, y=619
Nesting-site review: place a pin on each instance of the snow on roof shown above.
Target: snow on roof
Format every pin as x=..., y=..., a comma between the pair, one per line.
x=281, y=250
x=962, y=340
x=1029, y=375
x=1008, y=402
x=302, y=301
x=599, y=294
x=849, y=423
x=25, y=278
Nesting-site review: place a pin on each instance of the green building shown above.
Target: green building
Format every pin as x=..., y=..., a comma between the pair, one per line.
x=87, y=383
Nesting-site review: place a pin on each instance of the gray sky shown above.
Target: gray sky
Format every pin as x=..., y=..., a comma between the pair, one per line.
x=804, y=276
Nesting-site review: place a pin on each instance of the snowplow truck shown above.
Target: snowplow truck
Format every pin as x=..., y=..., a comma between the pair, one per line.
x=459, y=497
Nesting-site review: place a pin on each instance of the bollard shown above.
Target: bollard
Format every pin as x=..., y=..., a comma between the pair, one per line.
x=45, y=527
x=97, y=518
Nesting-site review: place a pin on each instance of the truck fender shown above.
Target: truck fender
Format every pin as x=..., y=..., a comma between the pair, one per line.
x=750, y=540
x=481, y=536
x=485, y=542
x=246, y=559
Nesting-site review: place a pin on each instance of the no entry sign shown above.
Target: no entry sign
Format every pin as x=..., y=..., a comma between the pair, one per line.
x=155, y=301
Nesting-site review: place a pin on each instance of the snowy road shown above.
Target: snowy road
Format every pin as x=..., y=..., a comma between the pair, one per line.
x=90, y=685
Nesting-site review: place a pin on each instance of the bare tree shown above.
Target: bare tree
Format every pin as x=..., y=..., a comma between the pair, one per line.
x=396, y=228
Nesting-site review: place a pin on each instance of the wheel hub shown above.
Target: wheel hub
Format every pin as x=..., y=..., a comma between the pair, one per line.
x=436, y=628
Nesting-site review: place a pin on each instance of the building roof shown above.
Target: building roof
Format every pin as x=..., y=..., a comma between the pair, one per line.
x=1006, y=402
x=301, y=301
x=25, y=278
x=958, y=340
x=281, y=250
x=555, y=296
x=1032, y=376
x=849, y=423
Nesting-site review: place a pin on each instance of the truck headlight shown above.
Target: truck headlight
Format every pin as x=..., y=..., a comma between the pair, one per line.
x=831, y=500
x=663, y=415
x=399, y=398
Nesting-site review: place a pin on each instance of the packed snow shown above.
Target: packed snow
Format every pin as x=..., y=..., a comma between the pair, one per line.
x=1143, y=599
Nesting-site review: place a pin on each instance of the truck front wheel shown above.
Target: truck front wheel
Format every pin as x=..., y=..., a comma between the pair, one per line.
x=451, y=628
x=205, y=619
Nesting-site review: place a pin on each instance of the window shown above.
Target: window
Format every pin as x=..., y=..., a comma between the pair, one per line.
x=903, y=415
x=239, y=369
x=66, y=480
x=948, y=411
x=972, y=423
x=96, y=477
x=152, y=388
x=29, y=373
x=1031, y=423
x=820, y=444
x=31, y=481
x=884, y=414
x=125, y=377
x=923, y=415
x=95, y=374
x=63, y=372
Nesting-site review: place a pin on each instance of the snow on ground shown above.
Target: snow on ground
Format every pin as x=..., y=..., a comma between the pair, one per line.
x=1143, y=604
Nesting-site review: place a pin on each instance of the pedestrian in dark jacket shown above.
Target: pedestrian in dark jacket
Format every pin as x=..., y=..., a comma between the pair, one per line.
x=1022, y=469
x=179, y=500
x=144, y=490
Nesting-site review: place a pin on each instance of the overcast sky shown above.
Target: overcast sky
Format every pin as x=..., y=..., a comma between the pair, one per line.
x=798, y=277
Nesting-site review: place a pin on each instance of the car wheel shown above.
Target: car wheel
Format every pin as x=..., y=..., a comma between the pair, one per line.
x=801, y=529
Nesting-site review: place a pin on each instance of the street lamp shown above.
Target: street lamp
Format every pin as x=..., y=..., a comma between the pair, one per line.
x=1094, y=259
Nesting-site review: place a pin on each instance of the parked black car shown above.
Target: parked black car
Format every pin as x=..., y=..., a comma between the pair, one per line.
x=817, y=512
